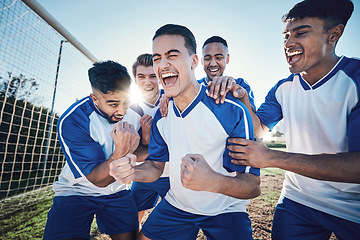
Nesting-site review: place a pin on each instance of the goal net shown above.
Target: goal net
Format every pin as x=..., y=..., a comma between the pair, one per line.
x=41, y=74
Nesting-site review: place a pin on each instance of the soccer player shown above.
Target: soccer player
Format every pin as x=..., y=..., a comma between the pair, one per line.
x=140, y=115
x=206, y=191
x=319, y=103
x=215, y=57
x=92, y=135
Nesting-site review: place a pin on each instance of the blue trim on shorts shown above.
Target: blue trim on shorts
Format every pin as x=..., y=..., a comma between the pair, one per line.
x=295, y=221
x=167, y=222
x=71, y=216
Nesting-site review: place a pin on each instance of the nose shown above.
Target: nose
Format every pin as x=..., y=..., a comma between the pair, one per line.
x=289, y=42
x=213, y=62
x=121, y=109
x=164, y=63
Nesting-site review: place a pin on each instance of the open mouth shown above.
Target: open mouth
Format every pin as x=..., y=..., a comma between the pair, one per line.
x=214, y=71
x=169, y=79
x=118, y=117
x=293, y=56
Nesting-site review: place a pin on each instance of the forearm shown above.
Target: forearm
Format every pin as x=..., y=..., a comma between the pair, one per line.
x=149, y=171
x=243, y=186
x=141, y=153
x=340, y=167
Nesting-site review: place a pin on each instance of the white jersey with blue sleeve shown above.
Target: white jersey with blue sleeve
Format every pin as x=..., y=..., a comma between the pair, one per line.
x=202, y=128
x=243, y=83
x=84, y=136
x=322, y=118
x=136, y=111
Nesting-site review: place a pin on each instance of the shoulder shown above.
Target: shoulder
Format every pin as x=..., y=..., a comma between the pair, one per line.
x=351, y=66
x=78, y=112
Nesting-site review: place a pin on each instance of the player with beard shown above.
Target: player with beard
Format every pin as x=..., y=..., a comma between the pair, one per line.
x=92, y=135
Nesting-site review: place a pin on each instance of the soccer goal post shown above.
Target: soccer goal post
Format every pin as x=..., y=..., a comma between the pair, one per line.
x=43, y=70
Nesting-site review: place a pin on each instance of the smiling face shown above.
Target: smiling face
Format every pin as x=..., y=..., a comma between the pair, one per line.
x=307, y=46
x=214, y=60
x=148, y=83
x=112, y=105
x=174, y=66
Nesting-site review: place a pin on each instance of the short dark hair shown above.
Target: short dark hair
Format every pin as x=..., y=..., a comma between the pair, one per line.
x=173, y=29
x=215, y=39
x=142, y=60
x=334, y=12
x=109, y=76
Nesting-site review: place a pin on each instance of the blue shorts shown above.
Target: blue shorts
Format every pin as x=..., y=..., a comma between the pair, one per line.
x=167, y=222
x=146, y=194
x=71, y=216
x=296, y=221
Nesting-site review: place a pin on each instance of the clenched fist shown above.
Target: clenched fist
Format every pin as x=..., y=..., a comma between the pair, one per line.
x=126, y=139
x=122, y=169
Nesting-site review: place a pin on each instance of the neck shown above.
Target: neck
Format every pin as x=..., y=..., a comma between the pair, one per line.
x=313, y=75
x=153, y=99
x=185, y=98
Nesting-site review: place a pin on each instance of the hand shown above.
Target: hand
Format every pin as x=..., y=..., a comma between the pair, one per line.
x=196, y=174
x=219, y=86
x=145, y=122
x=126, y=139
x=122, y=169
x=250, y=153
x=163, y=105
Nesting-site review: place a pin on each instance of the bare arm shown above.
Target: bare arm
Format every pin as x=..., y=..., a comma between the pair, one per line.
x=124, y=170
x=197, y=175
x=126, y=140
x=339, y=167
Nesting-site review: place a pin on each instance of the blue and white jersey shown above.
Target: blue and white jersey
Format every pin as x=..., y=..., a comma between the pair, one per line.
x=323, y=118
x=243, y=83
x=202, y=128
x=84, y=136
x=137, y=110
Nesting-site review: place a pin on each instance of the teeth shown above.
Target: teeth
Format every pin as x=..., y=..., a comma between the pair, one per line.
x=290, y=54
x=166, y=75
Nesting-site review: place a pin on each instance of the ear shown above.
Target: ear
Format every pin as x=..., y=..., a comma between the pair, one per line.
x=94, y=99
x=227, y=58
x=335, y=33
x=202, y=61
x=194, y=61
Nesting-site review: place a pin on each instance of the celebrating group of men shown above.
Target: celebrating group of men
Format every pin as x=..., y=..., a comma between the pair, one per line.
x=198, y=151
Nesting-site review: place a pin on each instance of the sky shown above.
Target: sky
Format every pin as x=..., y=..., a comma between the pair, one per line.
x=120, y=30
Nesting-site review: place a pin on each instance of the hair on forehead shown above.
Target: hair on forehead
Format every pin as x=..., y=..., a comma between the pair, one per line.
x=109, y=76
x=142, y=60
x=215, y=39
x=173, y=29
x=333, y=12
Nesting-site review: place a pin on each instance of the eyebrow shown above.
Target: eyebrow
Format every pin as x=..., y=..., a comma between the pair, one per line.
x=298, y=28
x=167, y=53
x=112, y=101
x=216, y=55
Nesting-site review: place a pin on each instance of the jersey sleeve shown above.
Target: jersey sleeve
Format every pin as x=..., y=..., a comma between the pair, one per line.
x=270, y=112
x=242, y=127
x=158, y=150
x=82, y=153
